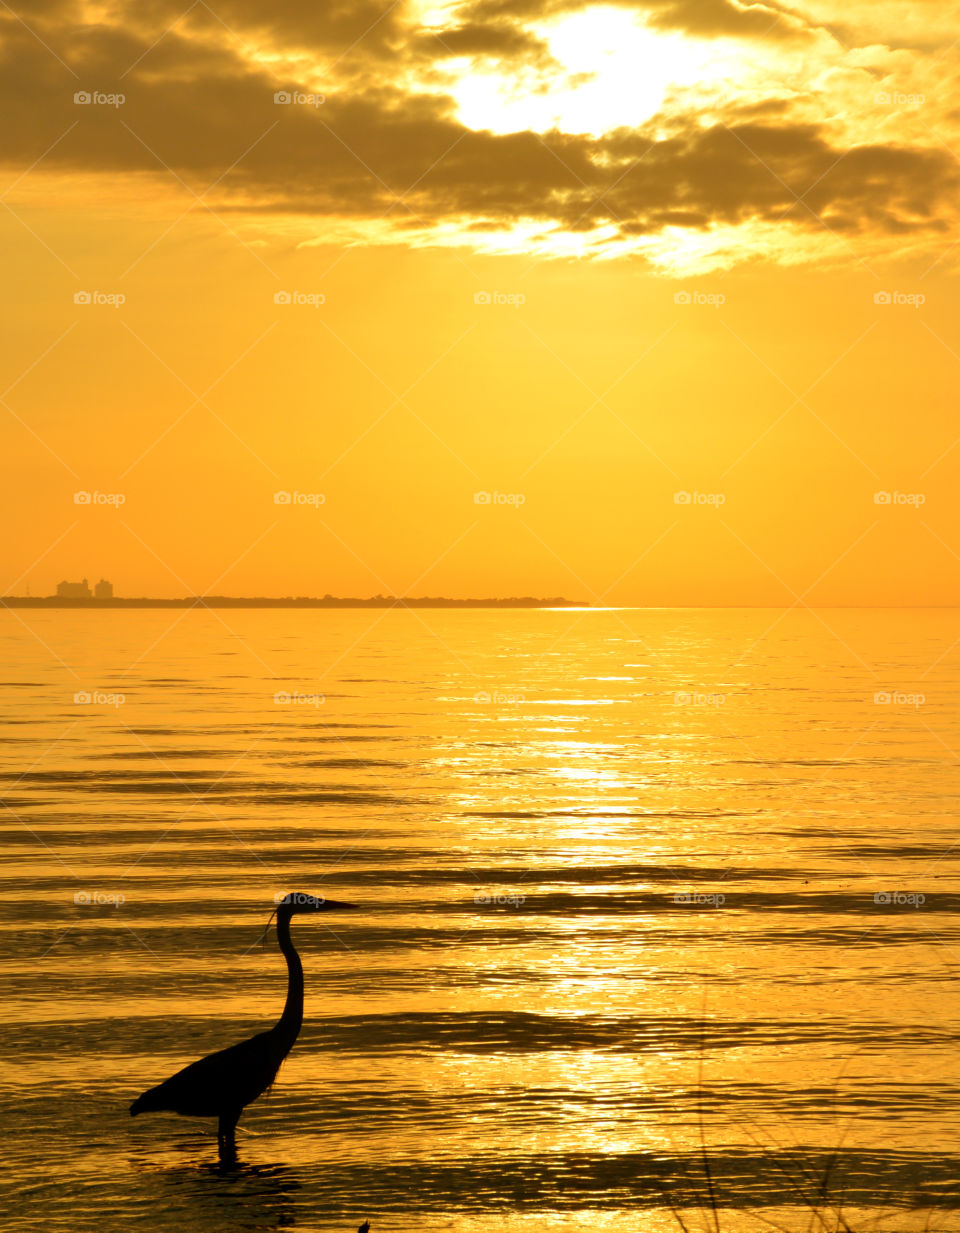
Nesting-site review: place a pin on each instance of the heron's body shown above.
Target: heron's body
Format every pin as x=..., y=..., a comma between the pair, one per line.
x=223, y=1084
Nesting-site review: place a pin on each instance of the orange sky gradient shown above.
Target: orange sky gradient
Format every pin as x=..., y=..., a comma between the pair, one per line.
x=594, y=259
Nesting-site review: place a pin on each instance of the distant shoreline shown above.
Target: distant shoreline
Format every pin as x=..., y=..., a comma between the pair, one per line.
x=328, y=601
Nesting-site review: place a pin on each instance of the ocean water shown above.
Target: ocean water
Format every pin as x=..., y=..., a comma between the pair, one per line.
x=652, y=904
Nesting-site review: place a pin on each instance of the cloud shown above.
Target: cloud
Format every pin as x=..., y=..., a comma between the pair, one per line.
x=702, y=18
x=499, y=39
x=723, y=18
x=199, y=108
x=331, y=28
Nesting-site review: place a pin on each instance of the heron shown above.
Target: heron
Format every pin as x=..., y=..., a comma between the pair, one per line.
x=222, y=1084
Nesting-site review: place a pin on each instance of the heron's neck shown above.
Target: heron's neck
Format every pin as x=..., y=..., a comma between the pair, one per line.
x=292, y=1017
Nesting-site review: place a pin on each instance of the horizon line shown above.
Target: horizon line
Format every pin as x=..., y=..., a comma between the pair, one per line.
x=513, y=601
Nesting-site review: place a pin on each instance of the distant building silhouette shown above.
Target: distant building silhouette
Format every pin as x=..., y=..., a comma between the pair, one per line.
x=103, y=589
x=74, y=590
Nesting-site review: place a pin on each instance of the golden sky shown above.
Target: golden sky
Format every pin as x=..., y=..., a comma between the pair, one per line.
x=671, y=283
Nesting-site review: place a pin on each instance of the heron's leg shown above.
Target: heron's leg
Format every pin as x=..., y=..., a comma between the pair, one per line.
x=226, y=1140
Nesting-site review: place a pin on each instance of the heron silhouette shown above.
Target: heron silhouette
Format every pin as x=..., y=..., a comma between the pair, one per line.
x=223, y=1084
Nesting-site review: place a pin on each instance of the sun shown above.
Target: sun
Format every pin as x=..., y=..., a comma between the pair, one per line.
x=606, y=70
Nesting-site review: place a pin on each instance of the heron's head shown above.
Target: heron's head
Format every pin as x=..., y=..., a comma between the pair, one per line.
x=297, y=901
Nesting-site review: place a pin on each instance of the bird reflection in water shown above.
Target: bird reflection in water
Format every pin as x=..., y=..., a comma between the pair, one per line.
x=264, y=1196
x=222, y=1084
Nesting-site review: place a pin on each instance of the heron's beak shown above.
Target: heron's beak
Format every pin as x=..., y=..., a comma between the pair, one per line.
x=333, y=905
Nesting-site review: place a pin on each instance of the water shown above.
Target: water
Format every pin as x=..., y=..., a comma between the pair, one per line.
x=521, y=1028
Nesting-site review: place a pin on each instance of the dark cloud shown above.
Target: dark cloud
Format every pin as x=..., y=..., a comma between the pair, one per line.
x=702, y=18
x=716, y=18
x=497, y=39
x=784, y=171
x=331, y=27
x=194, y=109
